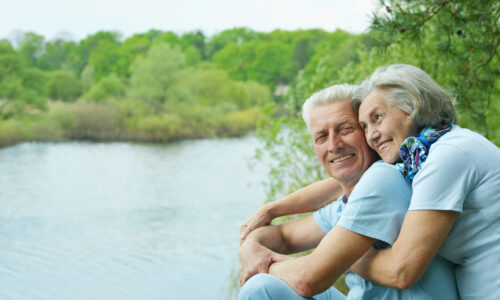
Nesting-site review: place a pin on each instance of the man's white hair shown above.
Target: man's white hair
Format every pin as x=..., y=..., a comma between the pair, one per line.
x=331, y=94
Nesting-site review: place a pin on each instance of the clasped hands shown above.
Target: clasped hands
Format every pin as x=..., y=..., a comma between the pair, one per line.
x=256, y=259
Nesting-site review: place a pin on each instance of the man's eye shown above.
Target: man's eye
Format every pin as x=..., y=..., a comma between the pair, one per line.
x=346, y=129
x=320, y=138
x=378, y=117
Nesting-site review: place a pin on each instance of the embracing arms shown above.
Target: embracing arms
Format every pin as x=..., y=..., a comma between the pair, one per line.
x=267, y=245
x=307, y=199
x=401, y=266
x=307, y=275
x=314, y=273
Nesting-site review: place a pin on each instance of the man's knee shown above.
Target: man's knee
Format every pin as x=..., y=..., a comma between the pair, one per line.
x=263, y=286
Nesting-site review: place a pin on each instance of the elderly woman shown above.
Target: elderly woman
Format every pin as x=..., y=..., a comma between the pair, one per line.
x=455, y=173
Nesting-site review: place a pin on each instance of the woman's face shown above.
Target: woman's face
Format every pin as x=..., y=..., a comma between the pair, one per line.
x=386, y=126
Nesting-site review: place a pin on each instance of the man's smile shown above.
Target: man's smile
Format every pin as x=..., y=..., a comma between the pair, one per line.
x=342, y=158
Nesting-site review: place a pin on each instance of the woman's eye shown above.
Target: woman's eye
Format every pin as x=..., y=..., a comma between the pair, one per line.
x=378, y=117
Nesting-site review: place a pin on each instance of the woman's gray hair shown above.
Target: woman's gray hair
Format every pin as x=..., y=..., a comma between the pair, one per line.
x=411, y=90
x=328, y=95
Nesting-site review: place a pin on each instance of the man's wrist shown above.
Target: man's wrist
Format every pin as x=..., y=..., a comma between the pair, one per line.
x=270, y=210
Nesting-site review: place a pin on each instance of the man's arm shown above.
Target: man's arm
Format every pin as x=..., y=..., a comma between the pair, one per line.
x=307, y=199
x=266, y=245
x=421, y=235
x=312, y=274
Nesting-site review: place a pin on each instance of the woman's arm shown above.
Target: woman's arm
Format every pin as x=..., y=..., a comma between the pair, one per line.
x=421, y=235
x=312, y=274
x=307, y=199
x=267, y=244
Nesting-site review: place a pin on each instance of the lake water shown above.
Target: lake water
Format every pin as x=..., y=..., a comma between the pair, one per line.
x=124, y=221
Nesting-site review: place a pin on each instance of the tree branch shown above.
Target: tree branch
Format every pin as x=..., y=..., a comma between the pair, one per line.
x=432, y=14
x=485, y=63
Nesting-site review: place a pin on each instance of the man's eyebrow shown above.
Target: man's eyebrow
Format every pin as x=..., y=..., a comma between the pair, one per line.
x=318, y=131
x=343, y=121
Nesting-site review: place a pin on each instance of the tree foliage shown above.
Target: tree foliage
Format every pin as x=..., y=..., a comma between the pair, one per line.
x=64, y=86
x=32, y=47
x=20, y=87
x=458, y=44
x=154, y=75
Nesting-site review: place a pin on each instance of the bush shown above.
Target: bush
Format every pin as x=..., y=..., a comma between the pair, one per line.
x=106, y=88
x=64, y=85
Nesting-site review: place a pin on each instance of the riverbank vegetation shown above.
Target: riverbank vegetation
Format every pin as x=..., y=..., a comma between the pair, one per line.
x=155, y=86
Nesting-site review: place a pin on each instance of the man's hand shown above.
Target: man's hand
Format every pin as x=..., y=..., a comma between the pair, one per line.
x=256, y=259
x=261, y=218
x=307, y=199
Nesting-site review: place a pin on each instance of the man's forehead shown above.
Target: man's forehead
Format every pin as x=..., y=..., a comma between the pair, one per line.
x=337, y=112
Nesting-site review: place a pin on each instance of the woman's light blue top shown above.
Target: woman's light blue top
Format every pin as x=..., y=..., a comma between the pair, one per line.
x=376, y=208
x=462, y=173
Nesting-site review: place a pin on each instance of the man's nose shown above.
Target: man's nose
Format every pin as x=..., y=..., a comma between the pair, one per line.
x=334, y=142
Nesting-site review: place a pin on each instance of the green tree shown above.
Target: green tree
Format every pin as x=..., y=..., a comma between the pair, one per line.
x=304, y=44
x=64, y=85
x=267, y=62
x=79, y=58
x=273, y=64
x=155, y=74
x=458, y=41
x=168, y=38
x=212, y=87
x=32, y=47
x=56, y=55
x=136, y=46
x=235, y=59
x=235, y=36
x=20, y=88
x=195, y=39
x=106, y=58
x=107, y=87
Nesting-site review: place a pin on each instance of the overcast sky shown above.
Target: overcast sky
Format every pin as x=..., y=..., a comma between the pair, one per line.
x=80, y=18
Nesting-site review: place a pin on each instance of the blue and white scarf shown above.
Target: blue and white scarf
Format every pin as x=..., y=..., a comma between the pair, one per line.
x=414, y=150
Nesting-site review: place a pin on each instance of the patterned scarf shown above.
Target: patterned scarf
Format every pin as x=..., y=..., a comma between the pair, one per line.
x=414, y=150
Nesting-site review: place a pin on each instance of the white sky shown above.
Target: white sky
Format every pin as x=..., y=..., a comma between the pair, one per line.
x=80, y=18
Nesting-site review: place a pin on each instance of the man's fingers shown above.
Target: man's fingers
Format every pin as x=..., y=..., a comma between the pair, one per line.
x=243, y=278
x=243, y=233
x=259, y=219
x=277, y=257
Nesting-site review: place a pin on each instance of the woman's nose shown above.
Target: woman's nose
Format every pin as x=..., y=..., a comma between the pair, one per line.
x=372, y=135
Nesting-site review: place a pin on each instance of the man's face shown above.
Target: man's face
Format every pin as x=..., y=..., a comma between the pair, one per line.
x=339, y=142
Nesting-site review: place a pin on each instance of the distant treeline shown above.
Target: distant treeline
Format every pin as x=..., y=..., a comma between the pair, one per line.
x=155, y=86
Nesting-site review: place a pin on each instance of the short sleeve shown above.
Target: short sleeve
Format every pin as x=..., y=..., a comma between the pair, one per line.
x=327, y=216
x=378, y=204
x=444, y=181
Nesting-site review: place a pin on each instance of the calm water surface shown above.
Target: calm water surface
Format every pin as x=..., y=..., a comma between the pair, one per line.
x=124, y=221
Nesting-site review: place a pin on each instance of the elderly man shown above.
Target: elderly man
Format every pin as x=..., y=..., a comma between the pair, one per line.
x=368, y=214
